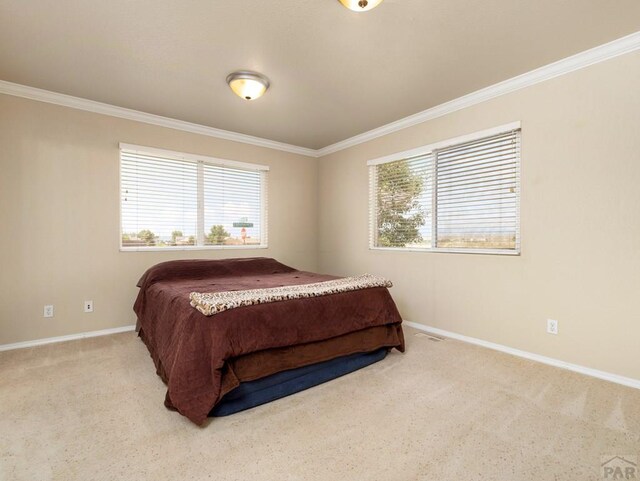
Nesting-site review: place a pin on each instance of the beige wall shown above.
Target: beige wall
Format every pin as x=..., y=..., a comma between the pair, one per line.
x=580, y=261
x=59, y=215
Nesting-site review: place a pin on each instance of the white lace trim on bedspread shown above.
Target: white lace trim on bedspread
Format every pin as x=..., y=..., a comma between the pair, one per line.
x=215, y=302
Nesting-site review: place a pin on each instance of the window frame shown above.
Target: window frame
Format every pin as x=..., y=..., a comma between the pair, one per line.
x=201, y=159
x=429, y=149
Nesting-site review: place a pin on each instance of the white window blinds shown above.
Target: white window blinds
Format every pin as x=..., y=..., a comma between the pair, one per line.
x=477, y=184
x=402, y=200
x=180, y=201
x=454, y=196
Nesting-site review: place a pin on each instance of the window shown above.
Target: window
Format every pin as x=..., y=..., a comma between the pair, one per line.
x=170, y=200
x=461, y=195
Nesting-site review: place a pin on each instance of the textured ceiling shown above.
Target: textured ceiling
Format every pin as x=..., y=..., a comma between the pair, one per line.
x=334, y=73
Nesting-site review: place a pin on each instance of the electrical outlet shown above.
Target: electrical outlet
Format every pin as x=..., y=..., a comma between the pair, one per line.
x=48, y=311
x=88, y=306
x=552, y=326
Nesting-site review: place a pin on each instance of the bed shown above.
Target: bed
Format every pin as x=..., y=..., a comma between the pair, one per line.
x=219, y=364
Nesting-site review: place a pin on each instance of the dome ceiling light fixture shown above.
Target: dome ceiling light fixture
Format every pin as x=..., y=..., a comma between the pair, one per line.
x=248, y=85
x=360, y=5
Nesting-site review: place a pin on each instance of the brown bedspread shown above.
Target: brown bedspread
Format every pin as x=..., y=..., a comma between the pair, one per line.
x=192, y=351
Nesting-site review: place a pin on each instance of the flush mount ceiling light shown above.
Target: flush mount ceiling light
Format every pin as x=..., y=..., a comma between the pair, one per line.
x=360, y=5
x=248, y=85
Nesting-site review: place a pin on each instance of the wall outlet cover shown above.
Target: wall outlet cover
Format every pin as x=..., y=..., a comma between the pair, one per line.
x=88, y=306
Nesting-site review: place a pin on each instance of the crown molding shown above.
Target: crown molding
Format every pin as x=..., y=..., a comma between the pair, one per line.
x=47, y=96
x=621, y=46
x=618, y=47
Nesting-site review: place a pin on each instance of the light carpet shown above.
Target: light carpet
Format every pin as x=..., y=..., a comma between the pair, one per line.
x=92, y=410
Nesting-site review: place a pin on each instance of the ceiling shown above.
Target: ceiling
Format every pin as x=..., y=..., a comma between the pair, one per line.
x=334, y=73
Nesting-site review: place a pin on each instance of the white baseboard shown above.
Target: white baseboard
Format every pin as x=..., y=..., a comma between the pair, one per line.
x=70, y=337
x=625, y=381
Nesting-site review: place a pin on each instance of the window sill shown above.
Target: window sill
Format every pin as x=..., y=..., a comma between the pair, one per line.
x=191, y=248
x=501, y=252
